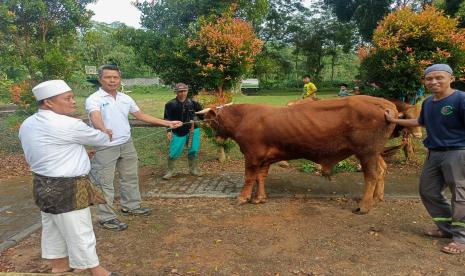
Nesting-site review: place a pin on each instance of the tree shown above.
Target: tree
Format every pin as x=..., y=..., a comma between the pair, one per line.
x=278, y=19
x=39, y=39
x=454, y=8
x=169, y=24
x=227, y=48
x=316, y=34
x=95, y=49
x=42, y=34
x=175, y=17
x=404, y=44
x=367, y=13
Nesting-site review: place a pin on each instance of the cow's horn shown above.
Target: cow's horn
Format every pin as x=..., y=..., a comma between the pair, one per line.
x=224, y=105
x=203, y=111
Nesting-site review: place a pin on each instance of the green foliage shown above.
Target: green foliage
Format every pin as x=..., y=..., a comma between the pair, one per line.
x=9, y=127
x=228, y=144
x=109, y=44
x=175, y=18
x=367, y=13
x=277, y=22
x=40, y=34
x=308, y=167
x=346, y=165
x=454, y=8
x=226, y=49
x=5, y=84
x=404, y=44
x=170, y=23
x=317, y=37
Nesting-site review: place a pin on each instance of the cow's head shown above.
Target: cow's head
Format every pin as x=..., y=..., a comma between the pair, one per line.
x=210, y=116
x=412, y=112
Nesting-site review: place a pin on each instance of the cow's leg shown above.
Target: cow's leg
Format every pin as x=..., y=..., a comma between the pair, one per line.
x=251, y=173
x=379, y=189
x=408, y=148
x=372, y=172
x=261, y=194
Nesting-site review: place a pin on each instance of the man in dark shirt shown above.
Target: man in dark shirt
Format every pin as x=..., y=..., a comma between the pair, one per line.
x=183, y=109
x=443, y=116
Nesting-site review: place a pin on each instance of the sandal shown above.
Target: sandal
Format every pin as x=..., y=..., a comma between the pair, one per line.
x=454, y=248
x=61, y=272
x=437, y=233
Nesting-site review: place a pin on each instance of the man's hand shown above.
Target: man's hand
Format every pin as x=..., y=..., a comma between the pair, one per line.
x=91, y=153
x=109, y=132
x=169, y=136
x=175, y=124
x=389, y=115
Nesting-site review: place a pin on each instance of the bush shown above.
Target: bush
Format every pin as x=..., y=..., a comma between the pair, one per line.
x=404, y=44
x=21, y=95
x=308, y=167
x=347, y=165
x=5, y=84
x=9, y=127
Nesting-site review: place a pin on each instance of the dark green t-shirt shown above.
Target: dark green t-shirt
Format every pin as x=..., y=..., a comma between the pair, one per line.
x=444, y=121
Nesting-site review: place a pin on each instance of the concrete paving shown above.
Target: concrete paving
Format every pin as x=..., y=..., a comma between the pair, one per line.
x=19, y=216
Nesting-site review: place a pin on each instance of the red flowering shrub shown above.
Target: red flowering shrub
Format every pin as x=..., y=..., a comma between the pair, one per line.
x=404, y=44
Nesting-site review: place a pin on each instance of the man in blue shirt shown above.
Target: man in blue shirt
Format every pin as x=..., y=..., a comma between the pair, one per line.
x=443, y=116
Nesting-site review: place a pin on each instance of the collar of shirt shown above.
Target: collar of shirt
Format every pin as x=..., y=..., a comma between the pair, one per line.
x=104, y=93
x=50, y=113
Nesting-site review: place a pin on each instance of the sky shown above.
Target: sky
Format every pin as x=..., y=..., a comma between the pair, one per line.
x=109, y=11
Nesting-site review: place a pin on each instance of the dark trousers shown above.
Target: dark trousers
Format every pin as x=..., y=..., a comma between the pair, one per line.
x=444, y=169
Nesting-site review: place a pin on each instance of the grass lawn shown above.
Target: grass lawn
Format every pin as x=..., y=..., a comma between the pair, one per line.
x=151, y=143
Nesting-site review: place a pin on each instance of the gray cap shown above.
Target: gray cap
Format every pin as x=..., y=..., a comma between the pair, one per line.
x=438, y=67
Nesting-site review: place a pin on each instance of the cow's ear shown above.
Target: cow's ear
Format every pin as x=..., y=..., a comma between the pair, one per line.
x=212, y=113
x=401, y=115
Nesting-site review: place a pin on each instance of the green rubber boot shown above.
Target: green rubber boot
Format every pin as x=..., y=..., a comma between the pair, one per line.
x=170, y=172
x=194, y=166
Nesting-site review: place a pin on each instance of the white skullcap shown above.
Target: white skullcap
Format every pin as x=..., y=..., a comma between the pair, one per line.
x=49, y=89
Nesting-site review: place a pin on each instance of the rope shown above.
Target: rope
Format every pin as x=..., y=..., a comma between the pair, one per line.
x=166, y=129
x=163, y=130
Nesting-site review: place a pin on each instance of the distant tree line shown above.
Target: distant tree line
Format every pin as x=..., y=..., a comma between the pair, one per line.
x=213, y=44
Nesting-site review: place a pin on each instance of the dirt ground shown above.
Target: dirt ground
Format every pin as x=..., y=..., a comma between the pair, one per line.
x=282, y=237
x=285, y=236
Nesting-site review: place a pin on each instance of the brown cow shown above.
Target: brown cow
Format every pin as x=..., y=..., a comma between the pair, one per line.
x=324, y=132
x=406, y=111
x=301, y=101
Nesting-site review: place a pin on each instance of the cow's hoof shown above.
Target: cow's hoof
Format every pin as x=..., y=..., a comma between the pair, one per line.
x=242, y=200
x=258, y=200
x=360, y=211
x=379, y=199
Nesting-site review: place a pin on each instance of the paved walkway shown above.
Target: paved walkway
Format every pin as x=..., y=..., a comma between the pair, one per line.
x=19, y=216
